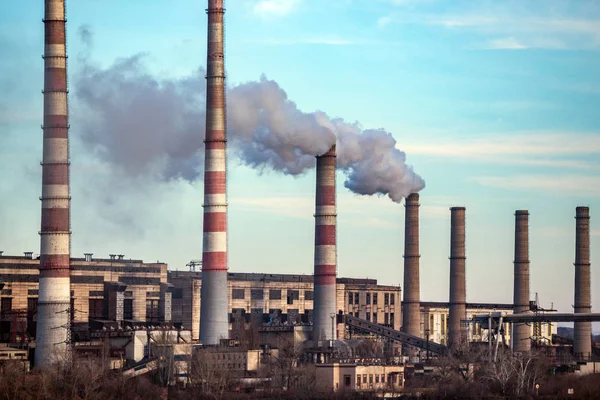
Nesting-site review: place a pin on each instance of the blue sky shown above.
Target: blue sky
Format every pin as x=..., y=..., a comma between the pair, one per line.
x=494, y=103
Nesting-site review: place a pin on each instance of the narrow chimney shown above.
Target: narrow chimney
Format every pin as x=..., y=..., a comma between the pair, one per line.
x=411, y=304
x=88, y=256
x=582, y=341
x=53, y=321
x=521, y=332
x=458, y=293
x=325, y=249
x=214, y=305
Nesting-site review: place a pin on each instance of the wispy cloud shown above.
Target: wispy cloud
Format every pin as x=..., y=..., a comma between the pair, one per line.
x=558, y=185
x=541, y=149
x=274, y=8
x=509, y=43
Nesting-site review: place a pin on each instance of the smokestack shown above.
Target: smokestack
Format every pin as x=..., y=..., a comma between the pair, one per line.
x=458, y=293
x=325, y=248
x=53, y=315
x=582, y=343
x=214, y=299
x=411, y=313
x=521, y=332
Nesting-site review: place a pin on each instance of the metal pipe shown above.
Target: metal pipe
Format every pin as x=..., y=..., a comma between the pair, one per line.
x=54, y=301
x=458, y=297
x=411, y=313
x=214, y=305
x=325, y=247
x=582, y=338
x=521, y=332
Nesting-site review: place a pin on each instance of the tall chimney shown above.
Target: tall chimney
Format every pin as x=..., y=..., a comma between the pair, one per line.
x=214, y=305
x=53, y=315
x=582, y=343
x=521, y=332
x=458, y=291
x=411, y=304
x=325, y=249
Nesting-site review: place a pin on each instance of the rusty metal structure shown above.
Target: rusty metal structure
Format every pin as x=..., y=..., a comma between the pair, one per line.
x=214, y=305
x=411, y=313
x=582, y=340
x=521, y=332
x=325, y=249
x=458, y=292
x=53, y=325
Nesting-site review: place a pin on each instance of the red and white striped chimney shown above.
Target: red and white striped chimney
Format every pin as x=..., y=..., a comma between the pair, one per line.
x=324, y=304
x=53, y=315
x=214, y=298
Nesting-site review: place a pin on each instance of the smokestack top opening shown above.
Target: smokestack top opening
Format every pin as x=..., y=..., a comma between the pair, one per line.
x=582, y=212
x=329, y=153
x=458, y=208
x=522, y=212
x=412, y=200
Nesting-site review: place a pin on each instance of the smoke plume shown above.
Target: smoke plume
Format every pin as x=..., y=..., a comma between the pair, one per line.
x=142, y=125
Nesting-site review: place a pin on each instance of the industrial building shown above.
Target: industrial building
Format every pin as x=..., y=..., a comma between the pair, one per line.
x=147, y=294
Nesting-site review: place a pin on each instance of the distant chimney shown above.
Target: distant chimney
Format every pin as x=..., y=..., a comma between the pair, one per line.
x=88, y=256
x=28, y=254
x=458, y=294
x=112, y=256
x=411, y=304
x=521, y=332
x=582, y=335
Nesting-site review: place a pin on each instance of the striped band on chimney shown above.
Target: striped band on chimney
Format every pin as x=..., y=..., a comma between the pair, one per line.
x=325, y=249
x=214, y=298
x=53, y=315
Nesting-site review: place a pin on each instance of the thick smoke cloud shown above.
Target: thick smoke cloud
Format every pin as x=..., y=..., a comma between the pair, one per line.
x=143, y=124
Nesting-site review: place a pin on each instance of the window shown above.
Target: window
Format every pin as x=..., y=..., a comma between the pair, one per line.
x=549, y=330
x=32, y=303
x=368, y=298
x=443, y=326
x=237, y=294
x=368, y=318
x=375, y=317
x=392, y=321
x=386, y=318
x=374, y=298
x=152, y=310
x=365, y=379
x=376, y=378
x=386, y=299
x=96, y=308
x=308, y=295
x=431, y=323
x=358, y=380
x=257, y=294
x=350, y=298
x=128, y=309
x=392, y=298
x=292, y=295
x=356, y=298
x=370, y=379
x=357, y=314
x=347, y=380
x=6, y=304
x=382, y=378
x=275, y=294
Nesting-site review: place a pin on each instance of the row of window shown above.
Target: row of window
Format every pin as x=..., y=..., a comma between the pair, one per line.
x=96, y=309
x=388, y=318
x=365, y=379
x=388, y=298
x=274, y=294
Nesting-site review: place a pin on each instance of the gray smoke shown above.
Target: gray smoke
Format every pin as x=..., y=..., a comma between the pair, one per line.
x=144, y=125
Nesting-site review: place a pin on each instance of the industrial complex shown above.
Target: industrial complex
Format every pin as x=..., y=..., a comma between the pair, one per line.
x=56, y=305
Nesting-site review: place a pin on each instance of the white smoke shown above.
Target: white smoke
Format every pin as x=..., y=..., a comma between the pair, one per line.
x=143, y=125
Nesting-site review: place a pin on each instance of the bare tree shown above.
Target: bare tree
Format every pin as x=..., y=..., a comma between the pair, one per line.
x=208, y=377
